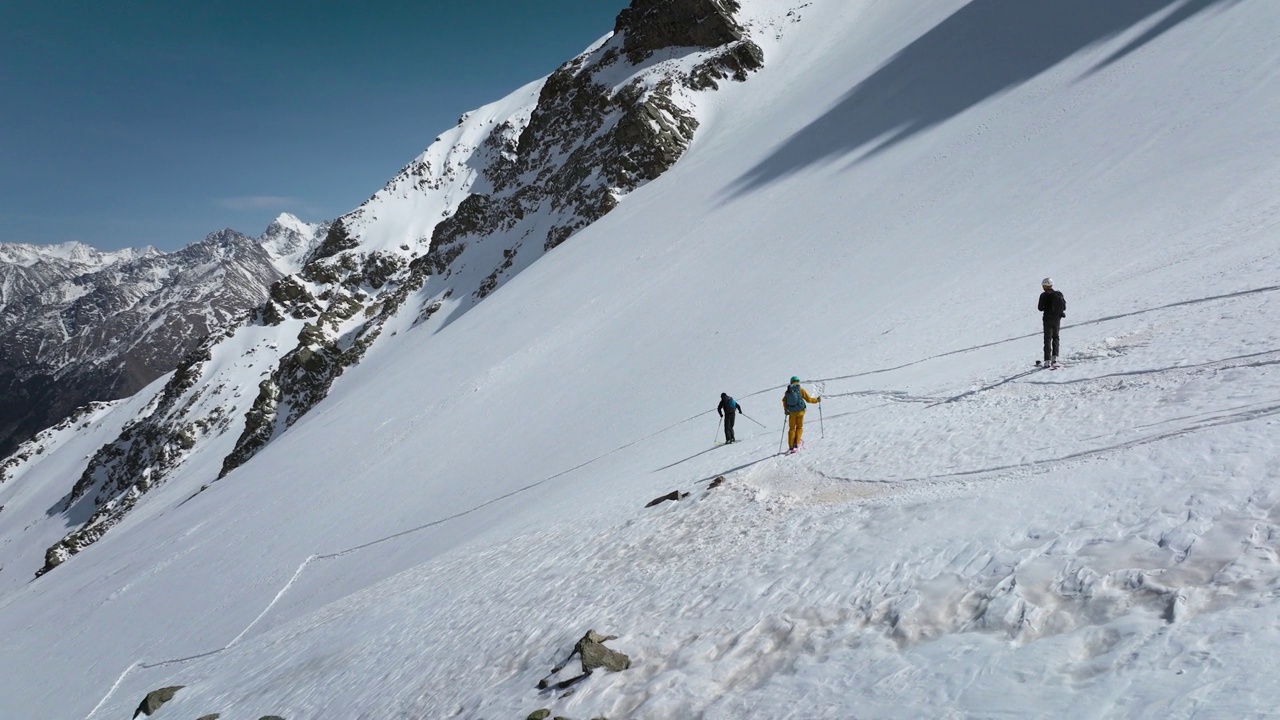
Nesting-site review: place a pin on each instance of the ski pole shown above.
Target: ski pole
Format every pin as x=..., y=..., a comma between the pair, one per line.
x=716, y=438
x=783, y=438
x=822, y=390
x=751, y=419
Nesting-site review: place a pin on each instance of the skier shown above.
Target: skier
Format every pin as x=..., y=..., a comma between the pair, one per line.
x=728, y=409
x=793, y=404
x=1054, y=307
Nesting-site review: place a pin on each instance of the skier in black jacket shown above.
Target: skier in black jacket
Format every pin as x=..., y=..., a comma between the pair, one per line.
x=728, y=409
x=1054, y=307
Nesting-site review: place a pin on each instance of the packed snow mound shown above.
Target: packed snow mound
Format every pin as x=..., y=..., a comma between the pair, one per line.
x=961, y=532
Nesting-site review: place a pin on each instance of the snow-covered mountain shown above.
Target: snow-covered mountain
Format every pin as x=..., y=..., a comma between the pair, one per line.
x=78, y=325
x=288, y=240
x=422, y=470
x=511, y=182
x=31, y=269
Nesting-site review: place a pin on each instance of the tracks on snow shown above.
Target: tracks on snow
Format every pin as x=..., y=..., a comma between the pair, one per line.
x=1181, y=427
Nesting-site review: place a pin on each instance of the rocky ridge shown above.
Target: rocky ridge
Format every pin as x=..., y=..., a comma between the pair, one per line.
x=510, y=183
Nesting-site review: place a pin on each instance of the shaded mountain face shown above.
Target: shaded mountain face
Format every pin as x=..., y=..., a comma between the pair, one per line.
x=79, y=326
x=511, y=182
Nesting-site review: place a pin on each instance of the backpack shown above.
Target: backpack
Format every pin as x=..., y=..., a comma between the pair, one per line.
x=793, y=401
x=730, y=405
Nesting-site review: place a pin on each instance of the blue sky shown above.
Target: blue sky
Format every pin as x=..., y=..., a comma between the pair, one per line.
x=155, y=122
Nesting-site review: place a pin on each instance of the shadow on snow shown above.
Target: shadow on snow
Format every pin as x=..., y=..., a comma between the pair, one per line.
x=985, y=48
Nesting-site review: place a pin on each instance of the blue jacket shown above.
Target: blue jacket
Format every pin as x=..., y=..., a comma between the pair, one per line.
x=728, y=405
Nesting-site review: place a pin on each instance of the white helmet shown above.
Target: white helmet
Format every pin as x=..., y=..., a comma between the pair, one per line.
x=1047, y=282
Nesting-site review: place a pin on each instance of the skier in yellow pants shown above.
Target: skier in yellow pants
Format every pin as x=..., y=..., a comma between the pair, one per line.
x=793, y=404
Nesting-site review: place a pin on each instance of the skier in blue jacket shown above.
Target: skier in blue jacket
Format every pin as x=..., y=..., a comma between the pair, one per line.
x=728, y=409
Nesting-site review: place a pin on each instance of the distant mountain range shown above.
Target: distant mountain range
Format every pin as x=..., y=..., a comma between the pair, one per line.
x=80, y=325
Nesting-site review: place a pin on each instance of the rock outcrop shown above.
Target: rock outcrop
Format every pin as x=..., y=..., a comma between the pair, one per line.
x=148, y=449
x=154, y=699
x=593, y=654
x=651, y=25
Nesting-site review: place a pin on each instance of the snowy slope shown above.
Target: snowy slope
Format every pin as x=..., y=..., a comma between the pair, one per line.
x=873, y=211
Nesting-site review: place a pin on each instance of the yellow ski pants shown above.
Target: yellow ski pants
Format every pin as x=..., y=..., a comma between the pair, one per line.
x=795, y=428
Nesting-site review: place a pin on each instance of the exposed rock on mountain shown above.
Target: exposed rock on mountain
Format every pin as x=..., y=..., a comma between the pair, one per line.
x=512, y=181
x=650, y=25
x=78, y=326
x=154, y=699
x=27, y=270
x=147, y=449
x=33, y=448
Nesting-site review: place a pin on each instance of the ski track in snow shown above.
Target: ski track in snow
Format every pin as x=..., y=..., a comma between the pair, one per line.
x=779, y=485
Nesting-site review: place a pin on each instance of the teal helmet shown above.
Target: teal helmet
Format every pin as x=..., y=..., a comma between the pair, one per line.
x=795, y=379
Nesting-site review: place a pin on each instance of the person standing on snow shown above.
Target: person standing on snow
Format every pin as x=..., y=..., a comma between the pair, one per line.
x=728, y=409
x=1054, y=307
x=793, y=404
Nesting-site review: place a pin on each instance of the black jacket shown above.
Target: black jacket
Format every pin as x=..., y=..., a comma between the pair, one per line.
x=728, y=405
x=1052, y=304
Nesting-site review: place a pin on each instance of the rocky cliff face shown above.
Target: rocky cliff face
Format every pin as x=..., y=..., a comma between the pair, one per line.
x=651, y=25
x=511, y=182
x=74, y=332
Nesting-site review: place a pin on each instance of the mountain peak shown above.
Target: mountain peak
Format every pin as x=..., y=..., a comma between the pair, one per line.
x=650, y=25
x=288, y=239
x=289, y=221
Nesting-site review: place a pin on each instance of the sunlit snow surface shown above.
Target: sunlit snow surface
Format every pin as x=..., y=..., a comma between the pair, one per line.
x=962, y=535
